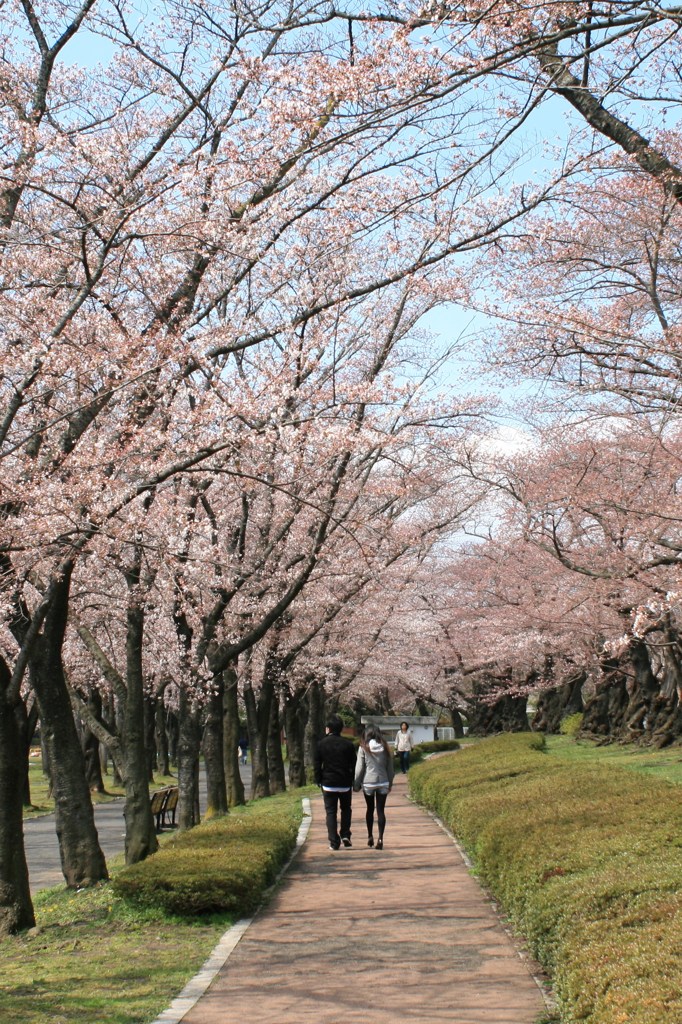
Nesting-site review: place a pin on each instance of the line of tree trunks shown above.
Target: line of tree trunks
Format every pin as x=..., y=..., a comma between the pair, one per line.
x=489, y=714
x=558, y=702
x=632, y=703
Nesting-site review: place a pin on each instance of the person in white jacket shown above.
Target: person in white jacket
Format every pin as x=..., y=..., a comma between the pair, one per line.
x=374, y=775
x=404, y=742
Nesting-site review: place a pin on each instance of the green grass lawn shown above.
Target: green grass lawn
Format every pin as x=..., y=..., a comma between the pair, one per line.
x=96, y=957
x=42, y=802
x=660, y=764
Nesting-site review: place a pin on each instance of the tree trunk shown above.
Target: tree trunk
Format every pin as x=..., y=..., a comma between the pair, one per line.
x=113, y=722
x=189, y=737
x=258, y=720
x=212, y=744
x=604, y=713
x=150, y=702
x=91, y=746
x=490, y=716
x=161, y=739
x=457, y=723
x=315, y=726
x=558, y=702
x=45, y=761
x=16, y=908
x=173, y=734
x=235, y=786
x=140, y=827
x=295, y=719
x=82, y=859
x=276, y=770
x=26, y=724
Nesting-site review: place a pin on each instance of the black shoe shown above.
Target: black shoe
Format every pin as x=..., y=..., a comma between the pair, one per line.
x=380, y=844
x=346, y=841
x=370, y=841
x=334, y=846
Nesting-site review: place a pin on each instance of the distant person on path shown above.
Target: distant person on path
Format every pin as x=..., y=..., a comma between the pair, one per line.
x=374, y=775
x=404, y=742
x=243, y=749
x=334, y=772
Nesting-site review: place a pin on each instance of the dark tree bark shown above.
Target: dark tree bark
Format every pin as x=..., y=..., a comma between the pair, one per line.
x=488, y=716
x=26, y=726
x=161, y=739
x=258, y=711
x=276, y=770
x=457, y=722
x=112, y=719
x=45, y=761
x=173, y=733
x=295, y=719
x=632, y=703
x=189, y=739
x=317, y=709
x=16, y=908
x=257, y=720
x=557, y=702
x=91, y=746
x=235, y=786
x=140, y=827
x=150, y=702
x=212, y=744
x=604, y=714
x=82, y=859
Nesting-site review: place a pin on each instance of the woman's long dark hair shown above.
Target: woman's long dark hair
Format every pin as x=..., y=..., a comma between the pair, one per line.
x=372, y=732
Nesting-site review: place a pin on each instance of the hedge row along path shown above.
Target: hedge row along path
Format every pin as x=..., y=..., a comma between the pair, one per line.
x=365, y=935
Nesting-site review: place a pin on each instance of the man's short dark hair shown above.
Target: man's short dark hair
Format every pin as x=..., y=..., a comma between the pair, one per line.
x=335, y=724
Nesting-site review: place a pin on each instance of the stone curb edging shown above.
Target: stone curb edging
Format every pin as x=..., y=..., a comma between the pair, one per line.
x=196, y=987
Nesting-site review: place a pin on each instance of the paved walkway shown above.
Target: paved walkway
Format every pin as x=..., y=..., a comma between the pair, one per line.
x=42, y=846
x=364, y=936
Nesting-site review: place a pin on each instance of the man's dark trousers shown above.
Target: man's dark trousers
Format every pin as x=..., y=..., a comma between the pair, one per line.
x=342, y=801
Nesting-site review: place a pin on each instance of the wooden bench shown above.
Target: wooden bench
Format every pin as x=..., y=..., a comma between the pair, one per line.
x=164, y=802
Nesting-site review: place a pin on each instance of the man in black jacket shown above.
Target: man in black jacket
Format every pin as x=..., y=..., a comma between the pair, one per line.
x=334, y=772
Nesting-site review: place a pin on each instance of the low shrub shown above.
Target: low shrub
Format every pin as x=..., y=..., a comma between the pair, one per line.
x=437, y=746
x=422, y=750
x=571, y=724
x=224, y=865
x=587, y=862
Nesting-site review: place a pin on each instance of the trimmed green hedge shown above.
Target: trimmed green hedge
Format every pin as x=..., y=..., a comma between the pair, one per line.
x=587, y=862
x=224, y=865
x=422, y=750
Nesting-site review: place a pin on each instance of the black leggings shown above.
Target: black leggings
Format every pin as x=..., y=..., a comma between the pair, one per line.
x=381, y=816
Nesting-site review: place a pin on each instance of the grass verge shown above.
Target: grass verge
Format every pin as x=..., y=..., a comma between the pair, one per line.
x=43, y=803
x=98, y=956
x=585, y=858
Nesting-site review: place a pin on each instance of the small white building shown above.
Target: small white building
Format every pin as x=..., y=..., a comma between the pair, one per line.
x=423, y=726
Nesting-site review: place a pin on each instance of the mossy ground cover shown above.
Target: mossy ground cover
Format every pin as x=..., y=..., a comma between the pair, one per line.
x=99, y=957
x=586, y=859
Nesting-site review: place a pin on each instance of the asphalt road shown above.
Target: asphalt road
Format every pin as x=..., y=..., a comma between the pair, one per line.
x=42, y=848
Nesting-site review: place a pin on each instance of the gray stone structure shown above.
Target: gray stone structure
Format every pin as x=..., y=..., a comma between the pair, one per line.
x=423, y=726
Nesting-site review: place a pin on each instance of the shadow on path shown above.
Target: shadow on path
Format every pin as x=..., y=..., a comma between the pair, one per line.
x=363, y=936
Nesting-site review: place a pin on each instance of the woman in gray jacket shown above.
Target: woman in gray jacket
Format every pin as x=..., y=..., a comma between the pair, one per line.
x=374, y=775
